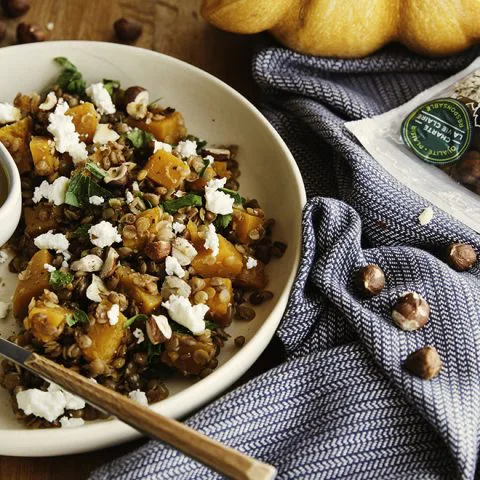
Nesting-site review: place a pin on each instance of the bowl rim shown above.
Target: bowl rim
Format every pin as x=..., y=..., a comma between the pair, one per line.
x=13, y=181
x=101, y=430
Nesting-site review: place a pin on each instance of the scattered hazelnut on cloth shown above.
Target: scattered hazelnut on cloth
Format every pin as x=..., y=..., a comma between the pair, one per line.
x=370, y=280
x=424, y=363
x=127, y=30
x=411, y=311
x=461, y=256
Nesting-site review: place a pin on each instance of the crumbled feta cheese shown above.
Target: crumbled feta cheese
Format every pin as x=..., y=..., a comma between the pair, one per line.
x=183, y=312
x=139, y=397
x=105, y=134
x=4, y=308
x=183, y=251
x=163, y=325
x=251, y=263
x=96, y=200
x=135, y=186
x=67, y=422
x=113, y=314
x=211, y=240
x=104, y=234
x=49, y=268
x=138, y=334
x=3, y=257
x=47, y=405
x=9, y=113
x=72, y=402
x=162, y=146
x=101, y=98
x=178, y=227
x=54, y=192
x=129, y=197
x=88, y=263
x=426, y=216
x=96, y=288
x=52, y=241
x=49, y=102
x=173, y=267
x=209, y=159
x=66, y=137
x=216, y=201
x=186, y=148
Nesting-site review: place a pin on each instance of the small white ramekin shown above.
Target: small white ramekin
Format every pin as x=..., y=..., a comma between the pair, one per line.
x=11, y=209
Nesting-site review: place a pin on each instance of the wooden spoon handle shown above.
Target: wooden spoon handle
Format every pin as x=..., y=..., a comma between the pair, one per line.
x=215, y=455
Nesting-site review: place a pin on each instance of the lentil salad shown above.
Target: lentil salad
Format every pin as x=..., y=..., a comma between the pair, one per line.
x=135, y=250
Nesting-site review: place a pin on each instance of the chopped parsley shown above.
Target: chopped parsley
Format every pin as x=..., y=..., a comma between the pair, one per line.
x=95, y=170
x=139, y=138
x=223, y=221
x=78, y=316
x=81, y=188
x=189, y=200
x=200, y=143
x=140, y=317
x=60, y=279
x=70, y=80
x=110, y=85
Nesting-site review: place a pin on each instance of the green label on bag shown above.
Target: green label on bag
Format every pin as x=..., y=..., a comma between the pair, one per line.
x=439, y=131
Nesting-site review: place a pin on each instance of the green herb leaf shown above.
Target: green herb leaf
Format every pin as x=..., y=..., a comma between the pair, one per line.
x=189, y=200
x=60, y=279
x=177, y=328
x=81, y=188
x=139, y=138
x=70, y=80
x=110, y=85
x=239, y=200
x=223, y=221
x=211, y=325
x=95, y=170
x=140, y=317
x=79, y=316
x=200, y=142
x=148, y=204
x=81, y=231
x=206, y=163
x=151, y=104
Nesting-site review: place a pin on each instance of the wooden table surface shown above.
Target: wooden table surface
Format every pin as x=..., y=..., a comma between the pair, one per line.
x=176, y=28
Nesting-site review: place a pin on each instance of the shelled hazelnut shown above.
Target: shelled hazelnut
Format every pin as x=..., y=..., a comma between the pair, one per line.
x=467, y=171
x=370, y=280
x=30, y=33
x=461, y=256
x=3, y=30
x=127, y=30
x=411, y=311
x=424, y=363
x=15, y=8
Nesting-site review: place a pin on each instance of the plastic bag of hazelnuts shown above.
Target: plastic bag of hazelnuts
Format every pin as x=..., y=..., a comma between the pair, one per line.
x=431, y=144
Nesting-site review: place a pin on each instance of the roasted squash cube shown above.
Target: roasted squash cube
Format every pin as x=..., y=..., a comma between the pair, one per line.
x=228, y=263
x=170, y=129
x=16, y=138
x=43, y=154
x=46, y=322
x=106, y=339
x=243, y=223
x=166, y=169
x=221, y=169
x=85, y=119
x=40, y=218
x=33, y=282
x=252, y=278
x=141, y=288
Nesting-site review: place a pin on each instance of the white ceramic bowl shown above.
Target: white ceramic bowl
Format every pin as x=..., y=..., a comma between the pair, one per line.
x=213, y=111
x=11, y=209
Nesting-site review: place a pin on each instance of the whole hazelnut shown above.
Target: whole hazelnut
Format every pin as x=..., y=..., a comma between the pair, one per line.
x=461, y=256
x=29, y=33
x=424, y=363
x=15, y=8
x=127, y=30
x=467, y=171
x=3, y=30
x=411, y=311
x=136, y=102
x=370, y=280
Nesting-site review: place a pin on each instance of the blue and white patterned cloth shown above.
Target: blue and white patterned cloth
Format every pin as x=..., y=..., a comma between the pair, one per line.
x=341, y=406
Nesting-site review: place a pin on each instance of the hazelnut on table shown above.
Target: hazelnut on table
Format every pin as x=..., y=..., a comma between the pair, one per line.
x=461, y=256
x=30, y=33
x=411, y=311
x=127, y=30
x=15, y=8
x=370, y=280
x=424, y=363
